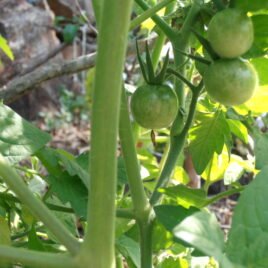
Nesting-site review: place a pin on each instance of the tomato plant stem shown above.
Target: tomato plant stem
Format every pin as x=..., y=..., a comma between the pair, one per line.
x=169, y=32
x=177, y=139
x=148, y=13
x=176, y=146
x=35, y=259
x=97, y=6
x=39, y=210
x=98, y=246
x=146, y=231
x=180, y=43
x=138, y=195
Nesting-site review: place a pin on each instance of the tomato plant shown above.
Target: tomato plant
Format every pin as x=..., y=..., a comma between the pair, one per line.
x=231, y=33
x=135, y=200
x=154, y=106
x=231, y=82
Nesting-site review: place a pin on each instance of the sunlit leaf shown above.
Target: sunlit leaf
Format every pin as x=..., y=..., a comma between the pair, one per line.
x=5, y=47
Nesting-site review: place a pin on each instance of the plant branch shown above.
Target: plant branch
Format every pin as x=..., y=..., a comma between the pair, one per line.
x=176, y=147
x=169, y=32
x=35, y=259
x=138, y=195
x=148, y=13
x=39, y=210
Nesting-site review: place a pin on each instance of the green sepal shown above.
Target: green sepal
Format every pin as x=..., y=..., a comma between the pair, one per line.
x=150, y=68
x=194, y=57
x=159, y=79
x=205, y=43
x=142, y=64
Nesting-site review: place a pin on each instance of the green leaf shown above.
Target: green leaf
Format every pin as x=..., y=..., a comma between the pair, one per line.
x=248, y=238
x=238, y=129
x=73, y=165
x=260, y=44
x=249, y=5
x=208, y=137
x=5, y=47
x=69, y=188
x=202, y=231
x=170, y=216
x=34, y=242
x=261, y=66
x=129, y=249
x=18, y=138
x=69, y=33
x=261, y=149
x=216, y=167
x=162, y=239
x=186, y=196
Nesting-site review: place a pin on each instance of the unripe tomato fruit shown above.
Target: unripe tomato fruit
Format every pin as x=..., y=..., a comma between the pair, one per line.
x=154, y=106
x=230, y=82
x=231, y=33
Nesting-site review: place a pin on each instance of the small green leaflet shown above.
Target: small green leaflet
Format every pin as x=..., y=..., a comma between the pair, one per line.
x=208, y=137
x=18, y=138
x=5, y=47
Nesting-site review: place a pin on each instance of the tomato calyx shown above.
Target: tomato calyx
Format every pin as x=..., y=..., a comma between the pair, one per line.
x=147, y=68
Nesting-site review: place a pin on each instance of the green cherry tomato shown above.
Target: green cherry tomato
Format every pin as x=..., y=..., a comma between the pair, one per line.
x=231, y=82
x=154, y=106
x=230, y=33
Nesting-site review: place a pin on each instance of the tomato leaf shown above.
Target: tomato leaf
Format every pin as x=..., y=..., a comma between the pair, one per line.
x=129, y=249
x=170, y=216
x=186, y=196
x=18, y=138
x=208, y=137
x=249, y=5
x=202, y=231
x=249, y=225
x=238, y=129
x=261, y=148
x=260, y=44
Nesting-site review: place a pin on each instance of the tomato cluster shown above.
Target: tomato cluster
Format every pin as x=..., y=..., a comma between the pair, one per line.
x=230, y=80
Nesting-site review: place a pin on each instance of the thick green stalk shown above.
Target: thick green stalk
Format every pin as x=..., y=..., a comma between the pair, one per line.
x=35, y=259
x=140, y=201
x=176, y=147
x=148, y=13
x=169, y=32
x=98, y=246
x=146, y=233
x=39, y=210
